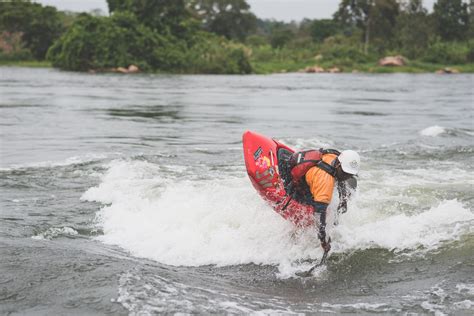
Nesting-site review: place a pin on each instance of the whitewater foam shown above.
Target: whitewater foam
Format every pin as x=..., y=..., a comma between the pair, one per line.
x=445, y=222
x=224, y=222
x=55, y=232
x=433, y=131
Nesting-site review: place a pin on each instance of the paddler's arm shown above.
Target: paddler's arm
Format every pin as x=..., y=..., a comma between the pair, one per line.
x=321, y=185
x=320, y=209
x=345, y=189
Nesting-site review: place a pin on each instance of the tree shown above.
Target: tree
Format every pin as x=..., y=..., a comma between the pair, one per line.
x=281, y=34
x=103, y=42
x=376, y=18
x=229, y=18
x=383, y=21
x=414, y=29
x=163, y=16
x=451, y=19
x=470, y=33
x=355, y=14
x=40, y=26
x=322, y=29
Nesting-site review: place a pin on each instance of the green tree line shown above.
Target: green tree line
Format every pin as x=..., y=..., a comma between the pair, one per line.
x=224, y=36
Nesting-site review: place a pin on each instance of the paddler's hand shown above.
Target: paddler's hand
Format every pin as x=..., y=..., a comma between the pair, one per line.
x=325, y=240
x=342, y=208
x=326, y=244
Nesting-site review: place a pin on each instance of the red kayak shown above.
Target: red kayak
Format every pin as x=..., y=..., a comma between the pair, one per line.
x=261, y=156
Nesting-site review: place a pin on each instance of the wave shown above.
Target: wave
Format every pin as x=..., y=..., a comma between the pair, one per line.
x=433, y=131
x=436, y=130
x=75, y=160
x=55, y=232
x=224, y=222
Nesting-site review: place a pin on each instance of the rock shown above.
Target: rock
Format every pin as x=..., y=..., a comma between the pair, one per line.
x=392, y=61
x=334, y=70
x=121, y=70
x=355, y=71
x=448, y=70
x=314, y=69
x=133, y=69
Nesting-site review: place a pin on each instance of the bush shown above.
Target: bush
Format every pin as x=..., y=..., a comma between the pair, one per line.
x=12, y=47
x=343, y=50
x=39, y=26
x=470, y=52
x=256, y=40
x=449, y=53
x=121, y=40
x=100, y=42
x=23, y=55
x=213, y=54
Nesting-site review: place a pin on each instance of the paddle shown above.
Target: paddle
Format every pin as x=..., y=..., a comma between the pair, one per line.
x=305, y=274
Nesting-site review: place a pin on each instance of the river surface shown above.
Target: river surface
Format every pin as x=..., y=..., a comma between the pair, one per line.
x=126, y=194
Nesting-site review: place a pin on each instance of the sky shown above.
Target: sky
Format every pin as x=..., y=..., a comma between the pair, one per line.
x=282, y=10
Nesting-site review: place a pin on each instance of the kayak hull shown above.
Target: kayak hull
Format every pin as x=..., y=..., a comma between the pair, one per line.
x=261, y=161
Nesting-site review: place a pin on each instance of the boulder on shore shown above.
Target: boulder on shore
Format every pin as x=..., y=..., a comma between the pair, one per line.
x=320, y=70
x=314, y=69
x=448, y=70
x=121, y=70
x=132, y=69
x=392, y=61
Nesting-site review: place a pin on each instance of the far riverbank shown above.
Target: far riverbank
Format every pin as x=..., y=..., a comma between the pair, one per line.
x=290, y=67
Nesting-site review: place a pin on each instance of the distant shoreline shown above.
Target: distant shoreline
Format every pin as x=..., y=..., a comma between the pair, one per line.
x=269, y=68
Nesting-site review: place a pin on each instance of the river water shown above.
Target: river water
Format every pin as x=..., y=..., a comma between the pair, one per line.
x=128, y=194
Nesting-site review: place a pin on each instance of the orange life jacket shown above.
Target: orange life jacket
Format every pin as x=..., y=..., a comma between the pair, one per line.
x=301, y=162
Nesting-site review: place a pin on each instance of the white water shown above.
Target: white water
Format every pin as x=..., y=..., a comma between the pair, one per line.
x=433, y=131
x=225, y=222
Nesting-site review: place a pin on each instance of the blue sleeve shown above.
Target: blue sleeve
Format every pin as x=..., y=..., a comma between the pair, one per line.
x=320, y=208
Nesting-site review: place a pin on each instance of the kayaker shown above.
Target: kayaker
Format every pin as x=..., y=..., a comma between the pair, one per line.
x=311, y=176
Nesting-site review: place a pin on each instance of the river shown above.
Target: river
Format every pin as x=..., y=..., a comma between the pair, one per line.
x=127, y=194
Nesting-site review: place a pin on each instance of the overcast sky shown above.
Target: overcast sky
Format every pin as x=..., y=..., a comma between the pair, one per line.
x=285, y=10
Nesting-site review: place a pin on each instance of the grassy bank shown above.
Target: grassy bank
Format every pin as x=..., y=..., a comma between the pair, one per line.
x=26, y=63
x=268, y=67
x=284, y=66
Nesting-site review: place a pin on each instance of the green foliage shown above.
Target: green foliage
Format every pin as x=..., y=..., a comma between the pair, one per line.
x=120, y=40
x=450, y=53
x=216, y=55
x=163, y=16
x=375, y=18
x=382, y=21
x=343, y=52
x=229, y=18
x=413, y=30
x=12, y=48
x=451, y=19
x=25, y=63
x=470, y=31
x=23, y=54
x=322, y=29
x=256, y=40
x=40, y=26
x=207, y=36
x=102, y=42
x=280, y=36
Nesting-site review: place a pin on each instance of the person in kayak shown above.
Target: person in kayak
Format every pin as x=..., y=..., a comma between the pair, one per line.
x=310, y=176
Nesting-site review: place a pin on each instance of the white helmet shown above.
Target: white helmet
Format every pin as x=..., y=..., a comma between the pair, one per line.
x=350, y=161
